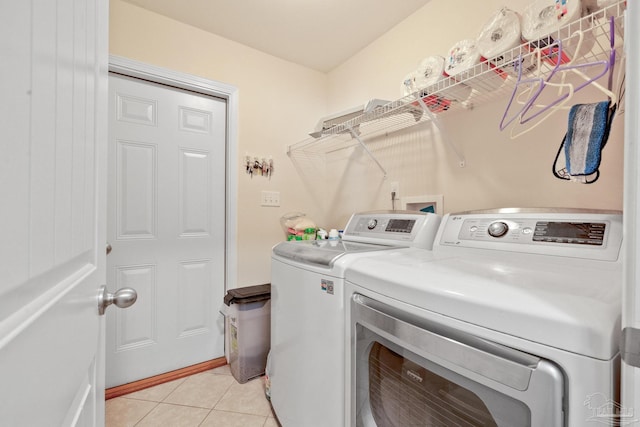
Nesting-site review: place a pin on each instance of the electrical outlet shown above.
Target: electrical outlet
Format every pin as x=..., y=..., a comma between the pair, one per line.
x=270, y=198
x=395, y=187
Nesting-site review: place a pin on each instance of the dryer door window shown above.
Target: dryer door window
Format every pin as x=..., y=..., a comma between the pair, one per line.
x=411, y=372
x=404, y=393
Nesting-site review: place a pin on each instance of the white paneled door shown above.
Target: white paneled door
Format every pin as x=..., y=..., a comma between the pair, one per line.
x=53, y=128
x=166, y=227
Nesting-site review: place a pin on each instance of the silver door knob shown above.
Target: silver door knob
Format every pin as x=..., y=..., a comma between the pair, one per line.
x=123, y=298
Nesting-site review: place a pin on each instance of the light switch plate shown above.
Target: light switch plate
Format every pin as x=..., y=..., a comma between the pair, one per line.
x=270, y=198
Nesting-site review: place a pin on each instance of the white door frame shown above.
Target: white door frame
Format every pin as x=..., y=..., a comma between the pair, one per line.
x=197, y=84
x=630, y=398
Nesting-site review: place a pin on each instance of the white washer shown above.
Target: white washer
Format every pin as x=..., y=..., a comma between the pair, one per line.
x=512, y=320
x=306, y=367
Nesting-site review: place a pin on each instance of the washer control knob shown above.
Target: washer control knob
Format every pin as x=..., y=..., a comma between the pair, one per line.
x=372, y=224
x=498, y=229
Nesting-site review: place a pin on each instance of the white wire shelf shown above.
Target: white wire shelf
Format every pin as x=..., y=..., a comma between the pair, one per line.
x=426, y=104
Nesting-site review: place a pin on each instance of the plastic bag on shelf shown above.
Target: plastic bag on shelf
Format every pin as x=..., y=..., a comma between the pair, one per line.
x=297, y=226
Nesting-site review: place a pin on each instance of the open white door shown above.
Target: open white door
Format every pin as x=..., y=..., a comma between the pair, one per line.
x=53, y=129
x=630, y=405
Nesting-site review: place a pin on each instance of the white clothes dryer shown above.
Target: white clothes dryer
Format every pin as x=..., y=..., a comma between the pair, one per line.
x=307, y=356
x=512, y=320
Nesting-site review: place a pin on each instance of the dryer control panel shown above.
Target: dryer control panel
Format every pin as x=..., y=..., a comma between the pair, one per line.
x=530, y=230
x=570, y=232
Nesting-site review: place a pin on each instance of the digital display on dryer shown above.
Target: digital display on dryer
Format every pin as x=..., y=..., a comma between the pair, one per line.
x=581, y=233
x=400, y=225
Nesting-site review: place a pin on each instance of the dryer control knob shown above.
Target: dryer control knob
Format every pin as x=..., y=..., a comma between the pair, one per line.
x=372, y=224
x=498, y=229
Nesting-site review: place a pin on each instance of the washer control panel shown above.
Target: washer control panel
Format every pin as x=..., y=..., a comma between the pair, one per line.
x=568, y=232
x=381, y=224
x=396, y=228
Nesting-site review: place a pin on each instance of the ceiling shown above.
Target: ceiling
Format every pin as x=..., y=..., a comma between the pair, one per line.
x=319, y=34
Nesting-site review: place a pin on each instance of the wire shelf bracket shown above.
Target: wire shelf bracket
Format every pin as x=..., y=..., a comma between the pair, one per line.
x=445, y=138
x=355, y=135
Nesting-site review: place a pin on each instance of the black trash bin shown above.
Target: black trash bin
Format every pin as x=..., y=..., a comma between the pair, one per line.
x=248, y=330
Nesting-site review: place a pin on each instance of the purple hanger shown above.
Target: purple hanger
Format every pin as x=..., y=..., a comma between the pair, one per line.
x=608, y=67
x=506, y=122
x=561, y=68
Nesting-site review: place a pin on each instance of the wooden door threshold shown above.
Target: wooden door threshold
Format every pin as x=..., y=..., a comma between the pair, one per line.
x=120, y=390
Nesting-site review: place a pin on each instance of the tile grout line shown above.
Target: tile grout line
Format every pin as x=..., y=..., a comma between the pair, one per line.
x=147, y=414
x=167, y=403
x=210, y=409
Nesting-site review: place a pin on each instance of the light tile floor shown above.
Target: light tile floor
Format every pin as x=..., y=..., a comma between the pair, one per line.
x=209, y=399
